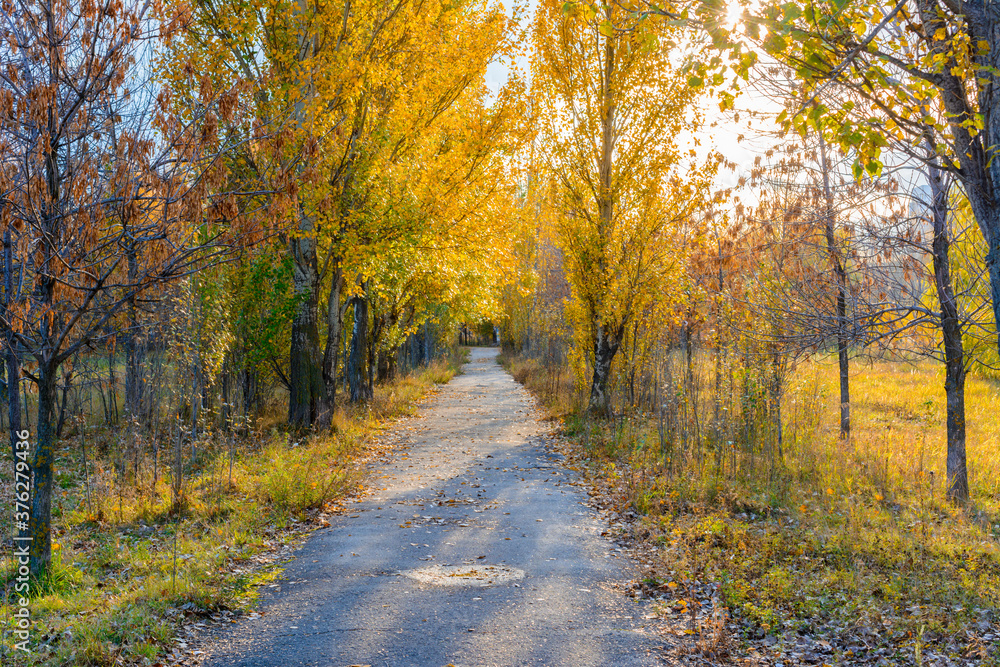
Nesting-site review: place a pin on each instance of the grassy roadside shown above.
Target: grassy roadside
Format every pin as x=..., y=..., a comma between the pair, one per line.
x=833, y=554
x=129, y=571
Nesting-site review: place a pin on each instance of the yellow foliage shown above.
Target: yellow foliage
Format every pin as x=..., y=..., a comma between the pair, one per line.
x=617, y=191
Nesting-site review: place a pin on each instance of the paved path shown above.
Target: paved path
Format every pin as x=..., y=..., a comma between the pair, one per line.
x=475, y=497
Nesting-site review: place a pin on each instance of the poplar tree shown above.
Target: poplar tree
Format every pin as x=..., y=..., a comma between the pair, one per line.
x=610, y=106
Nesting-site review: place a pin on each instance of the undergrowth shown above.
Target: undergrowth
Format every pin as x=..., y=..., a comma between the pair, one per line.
x=131, y=559
x=851, y=543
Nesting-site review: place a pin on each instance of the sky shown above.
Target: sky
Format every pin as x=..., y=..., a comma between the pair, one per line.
x=721, y=132
x=741, y=135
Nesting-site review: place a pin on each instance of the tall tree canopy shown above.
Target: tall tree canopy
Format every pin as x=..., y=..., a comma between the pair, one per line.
x=611, y=108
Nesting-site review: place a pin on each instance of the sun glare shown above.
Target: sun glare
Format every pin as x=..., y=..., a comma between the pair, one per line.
x=733, y=14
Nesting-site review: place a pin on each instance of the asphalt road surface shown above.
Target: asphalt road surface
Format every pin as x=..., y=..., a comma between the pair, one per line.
x=473, y=551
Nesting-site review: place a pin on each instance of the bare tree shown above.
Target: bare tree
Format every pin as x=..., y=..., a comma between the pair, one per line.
x=916, y=255
x=898, y=256
x=106, y=194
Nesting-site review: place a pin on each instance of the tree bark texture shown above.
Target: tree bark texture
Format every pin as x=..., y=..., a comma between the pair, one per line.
x=605, y=348
x=10, y=355
x=334, y=329
x=307, y=393
x=43, y=459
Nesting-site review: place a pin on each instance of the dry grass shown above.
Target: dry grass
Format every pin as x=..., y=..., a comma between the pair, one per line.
x=552, y=384
x=850, y=543
x=899, y=413
x=130, y=561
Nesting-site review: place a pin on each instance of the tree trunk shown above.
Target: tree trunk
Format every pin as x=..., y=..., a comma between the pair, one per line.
x=306, y=396
x=605, y=344
x=973, y=149
x=720, y=352
x=13, y=363
x=840, y=276
x=226, y=409
x=372, y=366
x=134, y=363
x=50, y=216
x=371, y=350
x=957, y=470
x=307, y=393
x=334, y=329
x=381, y=323
x=135, y=349
x=387, y=365
x=357, y=376
x=112, y=384
x=775, y=391
x=688, y=357
x=605, y=348
x=67, y=385
x=42, y=467
x=989, y=103
x=252, y=399
x=845, y=382
x=993, y=265
x=428, y=343
x=951, y=332
x=412, y=356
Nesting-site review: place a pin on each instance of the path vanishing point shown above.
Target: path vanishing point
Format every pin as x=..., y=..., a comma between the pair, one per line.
x=472, y=551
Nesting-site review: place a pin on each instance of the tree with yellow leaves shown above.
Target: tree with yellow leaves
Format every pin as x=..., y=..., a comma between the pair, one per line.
x=344, y=94
x=610, y=106
x=431, y=159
